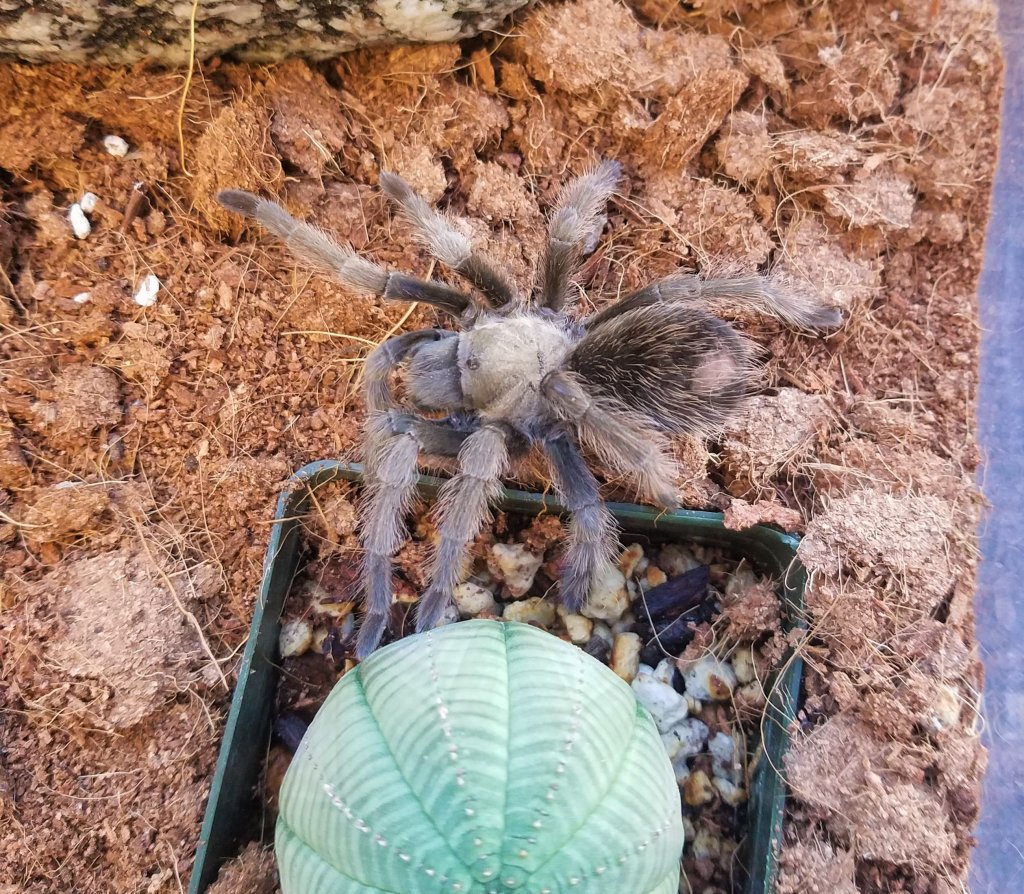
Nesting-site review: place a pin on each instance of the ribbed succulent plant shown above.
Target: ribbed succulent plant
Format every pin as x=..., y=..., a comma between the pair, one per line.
x=479, y=758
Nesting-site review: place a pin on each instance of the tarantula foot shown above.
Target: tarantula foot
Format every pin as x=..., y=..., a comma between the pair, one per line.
x=239, y=201
x=370, y=633
x=430, y=608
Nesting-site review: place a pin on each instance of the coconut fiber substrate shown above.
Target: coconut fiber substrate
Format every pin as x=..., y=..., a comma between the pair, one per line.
x=163, y=375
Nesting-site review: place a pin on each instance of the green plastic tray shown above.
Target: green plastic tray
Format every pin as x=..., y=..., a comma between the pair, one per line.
x=233, y=795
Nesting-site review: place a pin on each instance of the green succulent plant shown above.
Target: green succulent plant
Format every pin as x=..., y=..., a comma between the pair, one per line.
x=479, y=758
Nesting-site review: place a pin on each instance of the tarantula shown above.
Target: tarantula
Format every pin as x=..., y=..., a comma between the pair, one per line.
x=522, y=371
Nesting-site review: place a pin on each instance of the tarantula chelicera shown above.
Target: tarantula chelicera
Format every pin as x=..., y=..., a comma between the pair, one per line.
x=524, y=371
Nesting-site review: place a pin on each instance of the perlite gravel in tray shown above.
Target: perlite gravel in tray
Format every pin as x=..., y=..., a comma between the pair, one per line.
x=721, y=601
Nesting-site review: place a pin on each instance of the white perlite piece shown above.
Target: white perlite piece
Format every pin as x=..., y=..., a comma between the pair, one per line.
x=295, y=638
x=82, y=297
x=145, y=295
x=709, y=679
x=115, y=145
x=473, y=600
x=80, y=225
x=88, y=202
x=609, y=598
x=626, y=656
x=667, y=707
x=514, y=564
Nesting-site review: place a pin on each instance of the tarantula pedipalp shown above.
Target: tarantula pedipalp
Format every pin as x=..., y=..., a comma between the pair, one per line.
x=522, y=371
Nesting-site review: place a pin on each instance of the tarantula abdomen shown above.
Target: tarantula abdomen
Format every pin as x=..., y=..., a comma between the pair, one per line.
x=679, y=366
x=523, y=370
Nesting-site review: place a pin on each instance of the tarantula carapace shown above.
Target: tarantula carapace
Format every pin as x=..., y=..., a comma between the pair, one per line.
x=524, y=371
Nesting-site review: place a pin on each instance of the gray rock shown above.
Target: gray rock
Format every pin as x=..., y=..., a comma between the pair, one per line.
x=121, y=31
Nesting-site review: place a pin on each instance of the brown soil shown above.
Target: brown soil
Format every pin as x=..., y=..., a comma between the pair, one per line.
x=852, y=144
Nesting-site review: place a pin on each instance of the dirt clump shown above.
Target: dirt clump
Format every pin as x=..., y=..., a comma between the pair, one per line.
x=122, y=628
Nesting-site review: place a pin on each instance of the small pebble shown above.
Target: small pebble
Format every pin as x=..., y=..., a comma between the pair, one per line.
x=82, y=297
x=88, y=202
x=145, y=295
x=115, y=145
x=295, y=638
x=706, y=845
x=579, y=628
x=320, y=635
x=751, y=696
x=534, y=610
x=709, y=679
x=514, y=564
x=686, y=739
x=626, y=656
x=598, y=647
x=630, y=558
x=689, y=830
x=733, y=795
x=667, y=707
x=609, y=598
x=725, y=764
x=675, y=559
x=473, y=600
x=741, y=580
x=698, y=789
x=655, y=577
x=665, y=671
x=743, y=666
x=79, y=222
x=682, y=770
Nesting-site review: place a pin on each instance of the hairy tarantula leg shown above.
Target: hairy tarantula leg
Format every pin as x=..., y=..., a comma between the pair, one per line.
x=313, y=245
x=591, y=525
x=394, y=440
x=573, y=222
x=620, y=437
x=763, y=294
x=385, y=357
x=462, y=508
x=446, y=243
